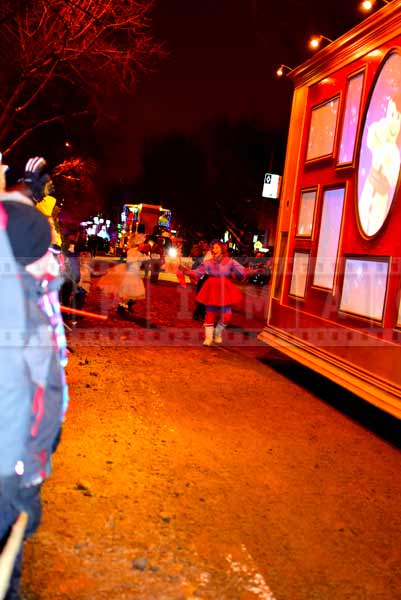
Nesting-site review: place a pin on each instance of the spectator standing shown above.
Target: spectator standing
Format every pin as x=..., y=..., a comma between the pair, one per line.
x=72, y=275
x=33, y=392
x=177, y=248
x=85, y=269
x=47, y=206
x=203, y=254
x=156, y=253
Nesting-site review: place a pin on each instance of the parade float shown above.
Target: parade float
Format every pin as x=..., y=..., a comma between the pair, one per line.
x=336, y=288
x=152, y=216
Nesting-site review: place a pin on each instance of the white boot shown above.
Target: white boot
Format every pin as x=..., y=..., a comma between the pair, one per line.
x=208, y=335
x=218, y=333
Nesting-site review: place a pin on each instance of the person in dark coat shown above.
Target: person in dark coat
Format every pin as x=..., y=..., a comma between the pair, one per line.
x=71, y=293
x=200, y=254
x=156, y=253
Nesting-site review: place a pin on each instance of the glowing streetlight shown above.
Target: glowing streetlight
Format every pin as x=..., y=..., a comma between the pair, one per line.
x=316, y=41
x=368, y=5
x=282, y=68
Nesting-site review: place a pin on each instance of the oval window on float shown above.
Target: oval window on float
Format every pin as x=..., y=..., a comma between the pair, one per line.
x=380, y=150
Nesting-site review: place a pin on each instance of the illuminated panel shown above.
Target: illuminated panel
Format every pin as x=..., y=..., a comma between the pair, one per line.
x=379, y=157
x=306, y=213
x=299, y=274
x=364, y=288
x=322, y=130
x=351, y=119
x=326, y=259
x=165, y=218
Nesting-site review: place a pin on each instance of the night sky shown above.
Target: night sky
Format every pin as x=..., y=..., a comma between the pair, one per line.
x=223, y=55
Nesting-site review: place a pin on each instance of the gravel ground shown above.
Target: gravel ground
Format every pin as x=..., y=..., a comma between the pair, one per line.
x=224, y=473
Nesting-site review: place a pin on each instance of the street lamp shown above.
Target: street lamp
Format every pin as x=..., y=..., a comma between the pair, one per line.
x=316, y=41
x=367, y=5
x=281, y=70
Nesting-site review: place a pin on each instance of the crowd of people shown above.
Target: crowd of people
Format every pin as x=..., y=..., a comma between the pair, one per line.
x=212, y=271
x=43, y=274
x=145, y=257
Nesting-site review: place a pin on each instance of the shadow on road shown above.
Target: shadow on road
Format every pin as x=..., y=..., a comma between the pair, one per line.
x=361, y=411
x=143, y=322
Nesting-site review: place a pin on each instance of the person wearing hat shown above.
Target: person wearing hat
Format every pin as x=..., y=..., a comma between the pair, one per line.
x=33, y=391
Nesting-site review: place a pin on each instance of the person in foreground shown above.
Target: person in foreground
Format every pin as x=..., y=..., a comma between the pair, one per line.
x=33, y=391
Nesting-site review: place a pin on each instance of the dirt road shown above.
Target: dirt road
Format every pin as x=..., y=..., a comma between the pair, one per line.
x=213, y=473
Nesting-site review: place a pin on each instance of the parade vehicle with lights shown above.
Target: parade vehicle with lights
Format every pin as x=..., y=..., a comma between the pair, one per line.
x=335, y=302
x=153, y=217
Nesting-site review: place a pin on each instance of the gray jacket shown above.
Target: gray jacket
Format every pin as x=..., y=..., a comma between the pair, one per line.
x=32, y=387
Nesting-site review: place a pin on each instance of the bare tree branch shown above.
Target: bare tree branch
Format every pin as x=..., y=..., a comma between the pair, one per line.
x=35, y=94
x=79, y=43
x=37, y=126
